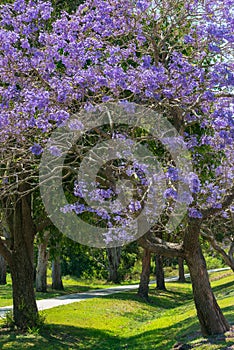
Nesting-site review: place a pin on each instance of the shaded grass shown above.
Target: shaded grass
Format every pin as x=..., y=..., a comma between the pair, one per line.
x=124, y=321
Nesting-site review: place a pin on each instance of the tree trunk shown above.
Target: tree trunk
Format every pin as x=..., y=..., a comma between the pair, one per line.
x=114, y=255
x=24, y=304
x=56, y=274
x=209, y=313
x=42, y=260
x=21, y=265
x=2, y=270
x=160, y=282
x=231, y=255
x=181, y=270
x=143, y=290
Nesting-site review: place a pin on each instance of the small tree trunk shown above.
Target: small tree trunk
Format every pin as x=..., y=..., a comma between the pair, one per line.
x=209, y=313
x=2, y=270
x=42, y=260
x=143, y=290
x=114, y=255
x=56, y=274
x=181, y=270
x=160, y=273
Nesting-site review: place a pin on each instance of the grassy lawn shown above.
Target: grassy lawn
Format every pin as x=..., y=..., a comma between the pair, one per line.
x=123, y=321
x=71, y=285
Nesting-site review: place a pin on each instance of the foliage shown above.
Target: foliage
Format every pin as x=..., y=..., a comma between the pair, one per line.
x=90, y=263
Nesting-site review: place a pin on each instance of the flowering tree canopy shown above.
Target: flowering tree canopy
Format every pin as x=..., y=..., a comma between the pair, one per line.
x=174, y=57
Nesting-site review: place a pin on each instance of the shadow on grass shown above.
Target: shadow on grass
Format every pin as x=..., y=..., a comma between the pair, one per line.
x=158, y=299
x=223, y=287
x=68, y=337
x=61, y=337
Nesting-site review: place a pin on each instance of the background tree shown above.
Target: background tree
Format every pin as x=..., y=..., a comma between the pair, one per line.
x=2, y=270
x=42, y=261
x=181, y=270
x=143, y=290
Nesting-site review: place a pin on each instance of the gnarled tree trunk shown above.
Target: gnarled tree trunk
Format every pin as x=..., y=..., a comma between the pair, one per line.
x=209, y=313
x=42, y=260
x=25, y=310
x=143, y=290
x=2, y=270
x=181, y=270
x=160, y=282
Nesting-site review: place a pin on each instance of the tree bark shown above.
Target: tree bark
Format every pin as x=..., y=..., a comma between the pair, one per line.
x=2, y=270
x=57, y=282
x=181, y=270
x=25, y=310
x=24, y=304
x=160, y=282
x=143, y=290
x=114, y=255
x=42, y=260
x=231, y=255
x=209, y=313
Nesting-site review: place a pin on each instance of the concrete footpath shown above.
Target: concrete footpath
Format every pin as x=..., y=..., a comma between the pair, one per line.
x=45, y=304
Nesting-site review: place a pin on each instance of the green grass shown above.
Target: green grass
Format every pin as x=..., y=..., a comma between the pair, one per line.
x=71, y=285
x=123, y=321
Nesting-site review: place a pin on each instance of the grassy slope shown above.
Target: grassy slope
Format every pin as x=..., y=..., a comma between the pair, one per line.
x=122, y=321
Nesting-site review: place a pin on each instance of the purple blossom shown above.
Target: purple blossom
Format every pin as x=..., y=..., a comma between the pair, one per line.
x=195, y=213
x=55, y=151
x=102, y=213
x=79, y=208
x=214, y=48
x=75, y=125
x=172, y=174
x=170, y=193
x=188, y=39
x=134, y=206
x=194, y=183
x=36, y=149
x=80, y=189
x=185, y=197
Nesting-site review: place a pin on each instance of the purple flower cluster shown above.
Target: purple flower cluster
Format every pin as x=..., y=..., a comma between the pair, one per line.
x=195, y=213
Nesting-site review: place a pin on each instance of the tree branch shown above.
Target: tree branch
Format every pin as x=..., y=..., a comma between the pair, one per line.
x=161, y=247
x=225, y=204
x=217, y=247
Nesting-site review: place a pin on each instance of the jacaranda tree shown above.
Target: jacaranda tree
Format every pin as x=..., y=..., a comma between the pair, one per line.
x=171, y=56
